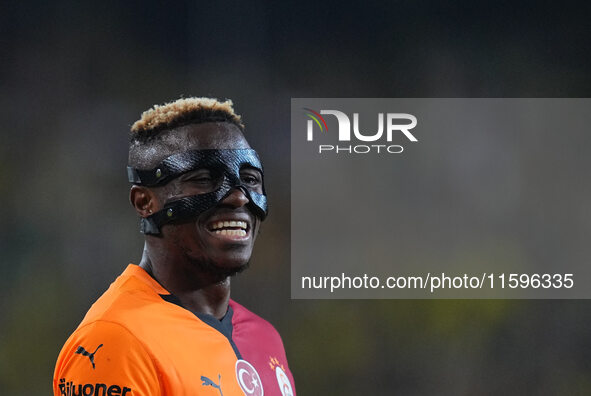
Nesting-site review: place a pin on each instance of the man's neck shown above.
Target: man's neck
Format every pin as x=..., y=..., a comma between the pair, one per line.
x=199, y=291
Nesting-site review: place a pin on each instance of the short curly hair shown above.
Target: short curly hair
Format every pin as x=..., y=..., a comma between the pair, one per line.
x=148, y=134
x=182, y=112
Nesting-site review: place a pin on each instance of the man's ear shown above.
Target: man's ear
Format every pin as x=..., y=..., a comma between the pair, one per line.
x=144, y=200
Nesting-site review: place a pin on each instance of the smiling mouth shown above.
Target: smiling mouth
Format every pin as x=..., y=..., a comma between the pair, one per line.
x=229, y=228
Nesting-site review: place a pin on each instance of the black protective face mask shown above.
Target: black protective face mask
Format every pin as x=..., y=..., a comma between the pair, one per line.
x=225, y=164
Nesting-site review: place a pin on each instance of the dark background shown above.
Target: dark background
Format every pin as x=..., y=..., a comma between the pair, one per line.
x=74, y=76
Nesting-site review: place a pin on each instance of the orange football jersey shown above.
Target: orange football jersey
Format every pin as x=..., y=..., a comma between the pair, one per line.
x=137, y=339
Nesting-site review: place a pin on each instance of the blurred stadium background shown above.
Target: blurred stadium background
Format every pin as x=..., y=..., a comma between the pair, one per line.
x=75, y=75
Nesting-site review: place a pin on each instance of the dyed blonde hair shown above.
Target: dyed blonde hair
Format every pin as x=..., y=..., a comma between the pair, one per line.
x=181, y=112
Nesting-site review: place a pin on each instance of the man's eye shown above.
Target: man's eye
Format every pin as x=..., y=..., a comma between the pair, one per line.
x=250, y=179
x=202, y=179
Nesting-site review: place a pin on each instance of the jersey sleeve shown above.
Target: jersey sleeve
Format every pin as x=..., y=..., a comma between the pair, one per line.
x=104, y=358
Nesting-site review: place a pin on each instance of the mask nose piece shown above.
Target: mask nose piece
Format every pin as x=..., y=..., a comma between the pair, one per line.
x=237, y=196
x=257, y=203
x=244, y=191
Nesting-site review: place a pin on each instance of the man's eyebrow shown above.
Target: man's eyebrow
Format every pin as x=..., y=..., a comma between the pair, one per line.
x=250, y=167
x=192, y=172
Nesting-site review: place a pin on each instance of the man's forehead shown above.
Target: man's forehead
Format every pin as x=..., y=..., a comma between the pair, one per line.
x=209, y=135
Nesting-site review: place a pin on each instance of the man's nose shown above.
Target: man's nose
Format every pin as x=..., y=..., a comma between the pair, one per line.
x=236, y=198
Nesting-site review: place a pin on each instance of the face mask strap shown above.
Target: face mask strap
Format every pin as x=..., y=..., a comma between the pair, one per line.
x=178, y=164
x=178, y=210
x=190, y=207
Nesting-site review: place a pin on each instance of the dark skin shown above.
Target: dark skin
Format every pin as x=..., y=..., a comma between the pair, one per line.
x=190, y=259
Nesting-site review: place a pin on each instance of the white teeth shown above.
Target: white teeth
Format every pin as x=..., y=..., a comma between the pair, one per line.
x=225, y=224
x=231, y=232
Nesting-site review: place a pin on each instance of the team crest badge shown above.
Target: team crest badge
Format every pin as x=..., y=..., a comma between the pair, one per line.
x=248, y=379
x=282, y=379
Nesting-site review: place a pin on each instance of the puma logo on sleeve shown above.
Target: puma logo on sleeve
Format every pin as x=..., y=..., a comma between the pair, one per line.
x=83, y=352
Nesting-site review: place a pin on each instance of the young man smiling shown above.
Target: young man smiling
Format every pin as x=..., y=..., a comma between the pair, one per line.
x=168, y=326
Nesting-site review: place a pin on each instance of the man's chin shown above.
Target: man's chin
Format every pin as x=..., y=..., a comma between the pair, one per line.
x=221, y=272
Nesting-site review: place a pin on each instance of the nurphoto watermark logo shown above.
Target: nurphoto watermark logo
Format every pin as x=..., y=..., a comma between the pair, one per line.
x=396, y=124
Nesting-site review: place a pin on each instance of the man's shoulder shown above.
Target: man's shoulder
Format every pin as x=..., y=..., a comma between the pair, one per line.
x=107, y=341
x=245, y=320
x=241, y=313
x=127, y=301
x=107, y=355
